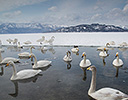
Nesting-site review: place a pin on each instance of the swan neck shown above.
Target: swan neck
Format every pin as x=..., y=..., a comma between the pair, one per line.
x=35, y=60
x=30, y=50
x=93, y=83
x=0, y=57
x=84, y=59
x=14, y=69
x=117, y=59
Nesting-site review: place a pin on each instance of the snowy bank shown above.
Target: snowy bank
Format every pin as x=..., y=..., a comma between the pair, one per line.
x=70, y=39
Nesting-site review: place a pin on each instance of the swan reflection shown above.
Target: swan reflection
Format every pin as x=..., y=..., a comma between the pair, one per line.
x=33, y=79
x=117, y=69
x=2, y=71
x=84, y=77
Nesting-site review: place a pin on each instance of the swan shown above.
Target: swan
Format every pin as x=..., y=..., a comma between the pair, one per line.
x=15, y=41
x=5, y=60
x=28, y=42
x=68, y=57
x=117, y=61
x=41, y=40
x=103, y=53
x=85, y=62
x=41, y=63
x=123, y=44
x=9, y=40
x=23, y=74
x=26, y=54
x=50, y=41
x=104, y=93
x=75, y=49
x=102, y=47
x=19, y=46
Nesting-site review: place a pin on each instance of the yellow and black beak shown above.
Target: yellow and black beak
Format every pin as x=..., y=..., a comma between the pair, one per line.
x=88, y=68
x=83, y=55
x=6, y=65
x=116, y=55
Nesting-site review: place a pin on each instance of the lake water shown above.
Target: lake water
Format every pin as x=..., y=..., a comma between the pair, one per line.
x=61, y=81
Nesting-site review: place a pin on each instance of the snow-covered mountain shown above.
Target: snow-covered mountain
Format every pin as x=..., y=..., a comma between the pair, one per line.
x=6, y=28
x=13, y=28
x=92, y=28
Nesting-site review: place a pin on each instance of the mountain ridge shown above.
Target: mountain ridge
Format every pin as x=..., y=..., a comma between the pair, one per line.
x=15, y=28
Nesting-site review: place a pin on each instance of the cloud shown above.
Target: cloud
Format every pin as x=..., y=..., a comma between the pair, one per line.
x=12, y=14
x=125, y=9
x=10, y=4
x=53, y=8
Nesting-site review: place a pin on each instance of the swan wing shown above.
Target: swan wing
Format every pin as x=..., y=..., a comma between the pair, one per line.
x=43, y=63
x=7, y=59
x=108, y=94
x=67, y=58
x=116, y=63
x=24, y=74
x=83, y=64
x=24, y=54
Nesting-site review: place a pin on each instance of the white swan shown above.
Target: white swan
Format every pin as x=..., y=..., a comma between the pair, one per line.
x=103, y=53
x=117, y=61
x=123, y=44
x=102, y=47
x=5, y=60
x=68, y=57
x=9, y=40
x=28, y=42
x=41, y=63
x=85, y=62
x=23, y=74
x=41, y=40
x=104, y=93
x=26, y=54
x=75, y=49
x=50, y=41
x=19, y=46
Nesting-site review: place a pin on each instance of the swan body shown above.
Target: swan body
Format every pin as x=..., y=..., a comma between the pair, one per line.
x=85, y=62
x=68, y=57
x=26, y=54
x=5, y=60
x=23, y=74
x=41, y=40
x=50, y=41
x=103, y=53
x=117, y=61
x=75, y=50
x=19, y=46
x=41, y=63
x=28, y=42
x=104, y=93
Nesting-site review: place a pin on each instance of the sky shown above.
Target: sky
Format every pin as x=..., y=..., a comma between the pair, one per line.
x=64, y=12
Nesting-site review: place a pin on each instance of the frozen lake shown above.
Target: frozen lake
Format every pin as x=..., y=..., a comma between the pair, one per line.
x=59, y=81
x=84, y=39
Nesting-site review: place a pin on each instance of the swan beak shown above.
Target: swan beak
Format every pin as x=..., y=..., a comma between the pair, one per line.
x=82, y=55
x=30, y=56
x=116, y=55
x=88, y=68
x=6, y=65
x=104, y=49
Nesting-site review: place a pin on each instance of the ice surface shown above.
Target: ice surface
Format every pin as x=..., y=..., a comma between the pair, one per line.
x=63, y=39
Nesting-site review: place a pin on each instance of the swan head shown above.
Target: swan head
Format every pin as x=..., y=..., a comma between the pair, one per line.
x=69, y=52
x=92, y=68
x=32, y=55
x=32, y=47
x=104, y=49
x=84, y=54
x=117, y=54
x=9, y=63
